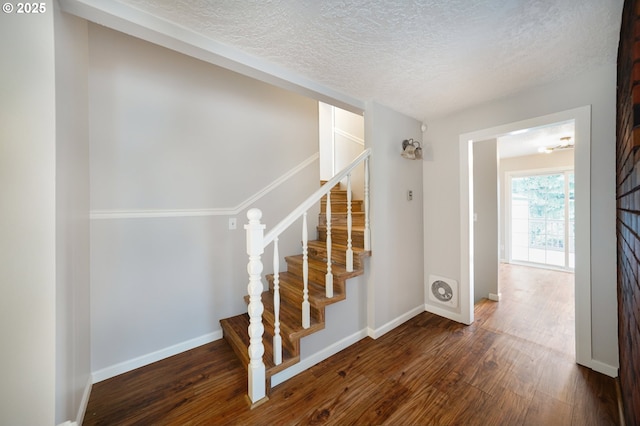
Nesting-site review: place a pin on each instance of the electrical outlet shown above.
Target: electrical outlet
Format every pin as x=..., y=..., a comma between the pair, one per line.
x=409, y=195
x=233, y=223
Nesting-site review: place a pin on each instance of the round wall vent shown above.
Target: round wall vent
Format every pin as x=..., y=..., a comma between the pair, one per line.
x=442, y=291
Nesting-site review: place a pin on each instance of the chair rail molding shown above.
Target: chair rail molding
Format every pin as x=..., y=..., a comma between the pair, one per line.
x=218, y=211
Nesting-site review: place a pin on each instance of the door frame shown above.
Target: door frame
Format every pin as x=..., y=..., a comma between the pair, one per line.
x=582, y=164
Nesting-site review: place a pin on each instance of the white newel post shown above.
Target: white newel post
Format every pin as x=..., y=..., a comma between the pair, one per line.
x=255, y=248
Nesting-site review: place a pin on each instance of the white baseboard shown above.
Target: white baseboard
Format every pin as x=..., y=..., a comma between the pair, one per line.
x=314, y=359
x=603, y=368
x=83, y=403
x=495, y=297
x=123, y=367
x=374, y=334
x=453, y=316
x=68, y=423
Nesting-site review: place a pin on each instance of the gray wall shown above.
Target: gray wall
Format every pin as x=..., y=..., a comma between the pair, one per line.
x=395, y=278
x=485, y=227
x=442, y=185
x=28, y=225
x=73, y=369
x=171, y=134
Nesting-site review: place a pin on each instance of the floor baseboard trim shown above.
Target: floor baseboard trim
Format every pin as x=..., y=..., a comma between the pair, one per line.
x=141, y=361
x=314, y=359
x=453, y=316
x=603, y=368
x=375, y=333
x=84, y=402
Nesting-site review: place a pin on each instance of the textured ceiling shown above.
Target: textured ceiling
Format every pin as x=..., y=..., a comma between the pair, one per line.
x=424, y=58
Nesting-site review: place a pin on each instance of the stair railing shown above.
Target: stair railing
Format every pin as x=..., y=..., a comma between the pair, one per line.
x=257, y=240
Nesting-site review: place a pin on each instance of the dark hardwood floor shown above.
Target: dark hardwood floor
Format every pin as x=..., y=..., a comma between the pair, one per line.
x=513, y=366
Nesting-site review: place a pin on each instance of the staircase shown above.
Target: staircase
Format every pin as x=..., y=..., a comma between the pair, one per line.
x=313, y=262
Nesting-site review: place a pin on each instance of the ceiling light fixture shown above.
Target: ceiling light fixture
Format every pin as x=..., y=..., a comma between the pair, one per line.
x=566, y=143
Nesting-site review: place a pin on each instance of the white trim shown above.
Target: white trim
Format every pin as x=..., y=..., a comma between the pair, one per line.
x=349, y=136
x=68, y=423
x=320, y=356
x=467, y=288
x=225, y=211
x=132, y=364
x=495, y=297
x=445, y=313
x=582, y=166
x=143, y=25
x=603, y=368
x=84, y=401
x=157, y=213
x=378, y=332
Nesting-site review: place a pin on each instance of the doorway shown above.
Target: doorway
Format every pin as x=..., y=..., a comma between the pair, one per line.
x=341, y=140
x=582, y=120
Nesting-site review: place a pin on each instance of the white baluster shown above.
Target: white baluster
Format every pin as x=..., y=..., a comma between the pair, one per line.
x=349, y=253
x=306, y=308
x=277, y=339
x=367, y=231
x=328, y=278
x=255, y=248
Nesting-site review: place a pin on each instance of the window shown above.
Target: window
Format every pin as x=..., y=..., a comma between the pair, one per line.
x=542, y=224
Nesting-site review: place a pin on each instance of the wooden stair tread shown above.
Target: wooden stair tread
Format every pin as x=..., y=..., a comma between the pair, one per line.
x=337, y=187
x=318, y=250
x=290, y=318
x=338, y=194
x=339, y=271
x=235, y=330
x=290, y=283
x=354, y=228
x=357, y=251
x=338, y=206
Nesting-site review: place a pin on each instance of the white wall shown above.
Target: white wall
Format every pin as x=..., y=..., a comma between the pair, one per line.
x=485, y=207
x=325, y=123
x=442, y=185
x=177, y=147
x=72, y=218
x=349, y=143
x=28, y=226
x=395, y=276
x=341, y=141
x=558, y=159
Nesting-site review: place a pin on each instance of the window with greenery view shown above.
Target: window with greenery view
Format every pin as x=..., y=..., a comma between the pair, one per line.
x=542, y=219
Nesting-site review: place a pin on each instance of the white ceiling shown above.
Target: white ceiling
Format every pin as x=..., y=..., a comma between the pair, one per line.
x=424, y=58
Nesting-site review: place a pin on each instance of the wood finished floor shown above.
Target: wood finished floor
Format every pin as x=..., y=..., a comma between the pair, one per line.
x=513, y=366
